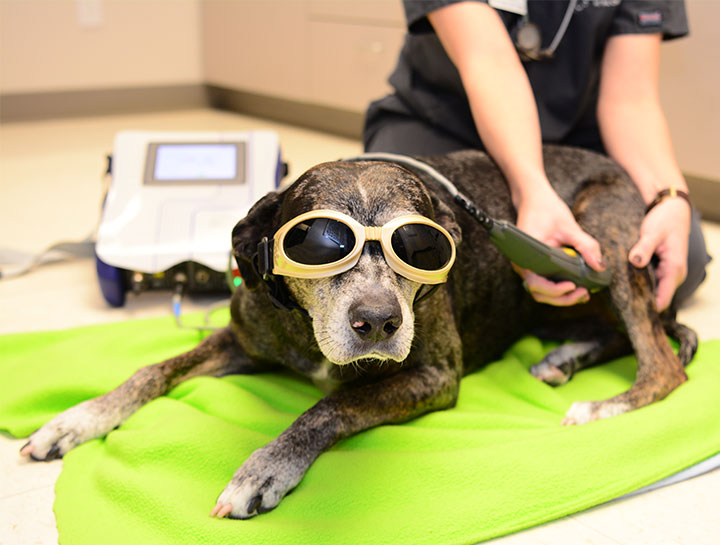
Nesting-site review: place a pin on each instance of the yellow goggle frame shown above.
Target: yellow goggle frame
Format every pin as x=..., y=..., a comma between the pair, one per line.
x=285, y=266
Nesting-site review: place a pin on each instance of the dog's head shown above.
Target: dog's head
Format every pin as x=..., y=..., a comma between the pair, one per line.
x=365, y=312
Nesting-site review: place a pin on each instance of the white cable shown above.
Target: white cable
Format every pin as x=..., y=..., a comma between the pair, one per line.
x=22, y=262
x=563, y=28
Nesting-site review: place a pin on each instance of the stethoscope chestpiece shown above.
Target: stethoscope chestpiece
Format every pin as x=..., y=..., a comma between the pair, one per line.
x=528, y=38
x=528, y=41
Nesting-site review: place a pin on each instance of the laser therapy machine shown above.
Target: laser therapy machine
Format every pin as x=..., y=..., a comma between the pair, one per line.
x=172, y=203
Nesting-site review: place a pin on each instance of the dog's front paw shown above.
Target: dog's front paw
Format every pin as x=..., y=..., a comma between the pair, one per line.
x=582, y=412
x=64, y=432
x=259, y=485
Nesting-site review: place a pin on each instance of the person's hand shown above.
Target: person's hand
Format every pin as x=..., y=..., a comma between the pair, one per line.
x=546, y=217
x=665, y=233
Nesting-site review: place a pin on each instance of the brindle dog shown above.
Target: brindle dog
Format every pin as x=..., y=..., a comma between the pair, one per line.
x=375, y=373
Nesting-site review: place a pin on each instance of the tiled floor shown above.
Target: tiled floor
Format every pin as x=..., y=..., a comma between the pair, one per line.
x=50, y=189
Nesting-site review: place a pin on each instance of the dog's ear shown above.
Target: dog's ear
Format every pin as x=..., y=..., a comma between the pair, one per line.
x=261, y=221
x=445, y=217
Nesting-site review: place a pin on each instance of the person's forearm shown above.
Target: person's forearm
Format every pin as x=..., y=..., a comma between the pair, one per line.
x=630, y=116
x=635, y=134
x=498, y=90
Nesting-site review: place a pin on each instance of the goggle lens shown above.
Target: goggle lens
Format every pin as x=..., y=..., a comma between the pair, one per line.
x=319, y=241
x=421, y=246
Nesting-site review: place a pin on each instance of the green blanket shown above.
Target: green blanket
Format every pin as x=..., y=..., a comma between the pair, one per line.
x=498, y=462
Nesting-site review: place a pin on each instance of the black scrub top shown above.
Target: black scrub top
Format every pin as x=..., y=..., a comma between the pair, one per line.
x=427, y=84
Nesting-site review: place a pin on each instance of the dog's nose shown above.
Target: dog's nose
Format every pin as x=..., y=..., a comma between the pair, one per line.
x=375, y=320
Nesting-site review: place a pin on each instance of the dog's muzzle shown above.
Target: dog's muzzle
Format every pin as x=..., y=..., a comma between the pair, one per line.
x=324, y=243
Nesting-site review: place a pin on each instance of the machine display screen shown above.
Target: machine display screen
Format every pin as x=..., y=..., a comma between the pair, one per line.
x=195, y=162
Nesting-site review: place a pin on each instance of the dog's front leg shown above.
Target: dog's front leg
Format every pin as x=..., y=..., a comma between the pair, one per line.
x=272, y=471
x=218, y=354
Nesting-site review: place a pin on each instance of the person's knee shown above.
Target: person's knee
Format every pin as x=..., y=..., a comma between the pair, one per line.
x=698, y=259
x=397, y=133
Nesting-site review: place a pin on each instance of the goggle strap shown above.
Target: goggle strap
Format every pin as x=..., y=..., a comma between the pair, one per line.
x=277, y=292
x=280, y=297
x=423, y=293
x=265, y=257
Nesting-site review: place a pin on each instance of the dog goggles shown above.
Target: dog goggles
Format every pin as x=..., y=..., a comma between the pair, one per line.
x=324, y=243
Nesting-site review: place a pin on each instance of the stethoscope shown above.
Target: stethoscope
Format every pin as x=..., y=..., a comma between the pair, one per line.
x=528, y=39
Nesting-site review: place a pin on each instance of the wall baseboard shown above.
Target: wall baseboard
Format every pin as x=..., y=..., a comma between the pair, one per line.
x=311, y=116
x=63, y=104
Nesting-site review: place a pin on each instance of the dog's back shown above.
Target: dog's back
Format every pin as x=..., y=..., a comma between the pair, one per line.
x=492, y=308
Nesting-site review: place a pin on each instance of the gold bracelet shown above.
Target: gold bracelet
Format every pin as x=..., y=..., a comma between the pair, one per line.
x=669, y=192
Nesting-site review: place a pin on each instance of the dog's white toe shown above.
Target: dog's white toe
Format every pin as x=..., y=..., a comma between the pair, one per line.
x=259, y=485
x=579, y=412
x=582, y=412
x=64, y=432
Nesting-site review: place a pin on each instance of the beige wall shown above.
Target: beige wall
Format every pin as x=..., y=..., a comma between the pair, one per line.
x=690, y=91
x=256, y=46
x=336, y=53
x=60, y=45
